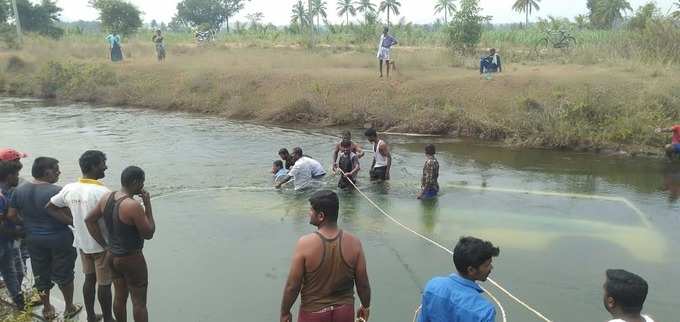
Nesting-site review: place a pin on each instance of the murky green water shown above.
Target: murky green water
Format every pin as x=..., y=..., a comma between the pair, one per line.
x=223, y=255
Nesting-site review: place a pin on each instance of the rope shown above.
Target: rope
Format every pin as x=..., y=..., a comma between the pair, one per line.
x=503, y=314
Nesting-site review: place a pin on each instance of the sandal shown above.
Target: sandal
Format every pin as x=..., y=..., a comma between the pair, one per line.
x=72, y=313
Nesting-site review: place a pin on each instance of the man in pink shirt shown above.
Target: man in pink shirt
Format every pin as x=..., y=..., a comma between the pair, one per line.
x=674, y=147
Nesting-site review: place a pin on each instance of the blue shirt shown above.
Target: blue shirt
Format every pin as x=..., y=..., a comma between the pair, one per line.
x=8, y=225
x=280, y=175
x=455, y=299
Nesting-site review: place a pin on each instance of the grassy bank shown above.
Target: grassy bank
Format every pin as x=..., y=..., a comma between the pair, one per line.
x=556, y=102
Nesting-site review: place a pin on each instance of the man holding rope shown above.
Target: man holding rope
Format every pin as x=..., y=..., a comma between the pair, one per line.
x=458, y=298
x=325, y=268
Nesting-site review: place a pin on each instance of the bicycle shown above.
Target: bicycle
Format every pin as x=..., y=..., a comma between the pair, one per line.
x=560, y=39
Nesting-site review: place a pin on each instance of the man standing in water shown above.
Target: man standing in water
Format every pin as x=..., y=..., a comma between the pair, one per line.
x=458, y=298
x=348, y=163
x=382, y=159
x=49, y=238
x=80, y=198
x=624, y=296
x=305, y=171
x=128, y=224
x=384, y=48
x=429, y=184
x=325, y=267
x=355, y=148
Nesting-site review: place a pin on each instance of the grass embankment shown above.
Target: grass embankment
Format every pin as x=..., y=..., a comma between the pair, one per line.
x=555, y=103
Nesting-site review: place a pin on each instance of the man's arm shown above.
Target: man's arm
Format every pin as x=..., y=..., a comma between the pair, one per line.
x=356, y=166
x=285, y=180
x=362, y=284
x=385, y=151
x=61, y=214
x=294, y=282
x=91, y=221
x=143, y=218
x=489, y=315
x=335, y=157
x=359, y=151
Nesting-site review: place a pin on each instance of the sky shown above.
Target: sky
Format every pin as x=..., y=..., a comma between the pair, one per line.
x=417, y=11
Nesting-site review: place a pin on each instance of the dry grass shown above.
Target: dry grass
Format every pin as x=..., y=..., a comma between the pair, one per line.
x=611, y=104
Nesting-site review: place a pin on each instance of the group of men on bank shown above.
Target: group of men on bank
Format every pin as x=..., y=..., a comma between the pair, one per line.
x=106, y=229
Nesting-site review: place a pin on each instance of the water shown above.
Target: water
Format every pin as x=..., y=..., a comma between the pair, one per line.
x=223, y=255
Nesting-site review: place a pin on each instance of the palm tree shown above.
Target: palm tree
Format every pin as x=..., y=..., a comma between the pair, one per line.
x=609, y=11
x=445, y=6
x=366, y=7
x=299, y=16
x=346, y=8
x=676, y=14
x=318, y=9
x=390, y=5
x=526, y=6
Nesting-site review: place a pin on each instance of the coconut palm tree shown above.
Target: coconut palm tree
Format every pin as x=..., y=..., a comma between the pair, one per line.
x=318, y=10
x=346, y=8
x=445, y=6
x=526, y=6
x=299, y=16
x=390, y=6
x=366, y=7
x=609, y=11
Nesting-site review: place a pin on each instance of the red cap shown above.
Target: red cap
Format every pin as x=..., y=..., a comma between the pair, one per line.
x=9, y=154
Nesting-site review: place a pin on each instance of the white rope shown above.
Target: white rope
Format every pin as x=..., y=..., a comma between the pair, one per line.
x=503, y=314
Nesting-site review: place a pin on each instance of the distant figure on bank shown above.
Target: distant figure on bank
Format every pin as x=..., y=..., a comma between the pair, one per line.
x=116, y=52
x=305, y=171
x=158, y=41
x=348, y=164
x=491, y=63
x=286, y=158
x=458, y=298
x=355, y=148
x=325, y=268
x=429, y=184
x=382, y=159
x=279, y=171
x=80, y=198
x=384, y=48
x=11, y=268
x=128, y=224
x=624, y=296
x=672, y=149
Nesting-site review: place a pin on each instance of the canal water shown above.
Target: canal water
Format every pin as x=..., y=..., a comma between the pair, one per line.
x=225, y=237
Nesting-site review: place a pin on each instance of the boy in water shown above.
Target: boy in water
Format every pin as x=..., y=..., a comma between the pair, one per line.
x=429, y=183
x=348, y=163
x=279, y=171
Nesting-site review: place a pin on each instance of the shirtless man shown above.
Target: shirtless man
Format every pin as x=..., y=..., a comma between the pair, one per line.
x=382, y=159
x=326, y=266
x=356, y=149
x=128, y=224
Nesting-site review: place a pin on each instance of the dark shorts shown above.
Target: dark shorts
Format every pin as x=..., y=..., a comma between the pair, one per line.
x=379, y=173
x=53, y=259
x=343, y=313
x=676, y=148
x=430, y=193
x=344, y=182
x=132, y=269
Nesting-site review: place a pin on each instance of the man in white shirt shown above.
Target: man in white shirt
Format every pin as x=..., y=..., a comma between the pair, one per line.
x=624, y=296
x=305, y=171
x=81, y=197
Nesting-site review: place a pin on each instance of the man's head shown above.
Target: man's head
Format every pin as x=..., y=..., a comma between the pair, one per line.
x=9, y=173
x=347, y=135
x=346, y=147
x=46, y=169
x=324, y=208
x=284, y=154
x=492, y=51
x=278, y=165
x=297, y=153
x=472, y=258
x=624, y=292
x=158, y=32
x=93, y=164
x=386, y=30
x=132, y=180
x=371, y=134
x=430, y=149
x=9, y=154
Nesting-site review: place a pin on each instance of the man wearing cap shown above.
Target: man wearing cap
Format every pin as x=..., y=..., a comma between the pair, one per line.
x=9, y=155
x=80, y=198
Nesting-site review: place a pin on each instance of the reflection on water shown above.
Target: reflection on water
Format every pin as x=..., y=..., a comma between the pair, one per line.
x=227, y=251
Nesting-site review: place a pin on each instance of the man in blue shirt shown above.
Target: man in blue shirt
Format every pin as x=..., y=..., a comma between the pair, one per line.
x=11, y=267
x=458, y=298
